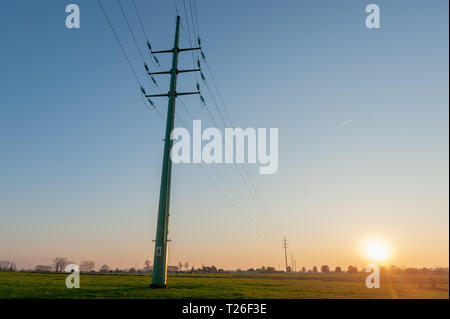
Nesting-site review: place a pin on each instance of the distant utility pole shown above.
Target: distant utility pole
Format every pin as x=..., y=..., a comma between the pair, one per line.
x=159, y=276
x=292, y=261
x=285, y=252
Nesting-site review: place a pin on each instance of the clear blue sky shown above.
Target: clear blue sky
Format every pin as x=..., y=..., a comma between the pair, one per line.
x=81, y=157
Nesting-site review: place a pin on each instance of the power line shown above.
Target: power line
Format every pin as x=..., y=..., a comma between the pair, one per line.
x=260, y=205
x=159, y=277
x=187, y=22
x=218, y=92
x=131, y=31
x=190, y=114
x=186, y=107
x=159, y=113
x=216, y=170
x=118, y=41
x=126, y=57
x=196, y=17
x=222, y=179
x=249, y=176
x=148, y=41
x=143, y=30
x=220, y=189
x=189, y=35
x=135, y=41
x=140, y=21
x=250, y=183
x=153, y=108
x=192, y=19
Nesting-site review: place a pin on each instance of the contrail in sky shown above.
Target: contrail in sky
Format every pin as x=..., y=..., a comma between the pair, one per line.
x=344, y=123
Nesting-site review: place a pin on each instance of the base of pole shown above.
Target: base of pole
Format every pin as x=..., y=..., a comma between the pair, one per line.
x=157, y=286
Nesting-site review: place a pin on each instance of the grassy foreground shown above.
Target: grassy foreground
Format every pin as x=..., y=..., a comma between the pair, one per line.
x=95, y=285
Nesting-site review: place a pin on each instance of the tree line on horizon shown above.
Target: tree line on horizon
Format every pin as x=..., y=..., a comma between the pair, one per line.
x=60, y=263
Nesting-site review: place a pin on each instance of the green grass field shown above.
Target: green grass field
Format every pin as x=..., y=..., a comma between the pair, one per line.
x=110, y=285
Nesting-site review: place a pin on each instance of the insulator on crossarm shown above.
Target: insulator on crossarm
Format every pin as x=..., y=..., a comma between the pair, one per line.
x=146, y=67
x=153, y=80
x=156, y=59
x=149, y=46
x=203, y=76
x=203, y=55
x=151, y=103
x=198, y=63
x=199, y=42
x=142, y=90
x=198, y=86
x=203, y=100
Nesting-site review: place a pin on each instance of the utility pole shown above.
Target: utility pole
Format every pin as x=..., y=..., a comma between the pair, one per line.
x=292, y=262
x=159, y=276
x=285, y=252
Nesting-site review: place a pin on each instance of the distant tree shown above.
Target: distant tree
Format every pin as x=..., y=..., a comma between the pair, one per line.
x=104, y=268
x=324, y=268
x=42, y=268
x=440, y=271
x=60, y=263
x=180, y=265
x=6, y=265
x=303, y=270
x=426, y=271
x=394, y=270
x=147, y=264
x=87, y=266
x=412, y=271
x=352, y=269
x=271, y=270
x=314, y=269
x=186, y=266
x=338, y=270
x=132, y=270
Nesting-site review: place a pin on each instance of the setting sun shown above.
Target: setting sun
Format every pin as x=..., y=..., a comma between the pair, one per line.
x=377, y=251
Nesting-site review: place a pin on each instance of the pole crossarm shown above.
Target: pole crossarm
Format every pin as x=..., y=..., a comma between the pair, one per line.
x=187, y=93
x=189, y=49
x=156, y=95
x=190, y=70
x=168, y=94
x=170, y=72
x=161, y=72
x=162, y=51
x=179, y=50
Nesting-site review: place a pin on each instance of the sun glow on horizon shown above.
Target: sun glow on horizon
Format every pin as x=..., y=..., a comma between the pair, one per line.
x=376, y=249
